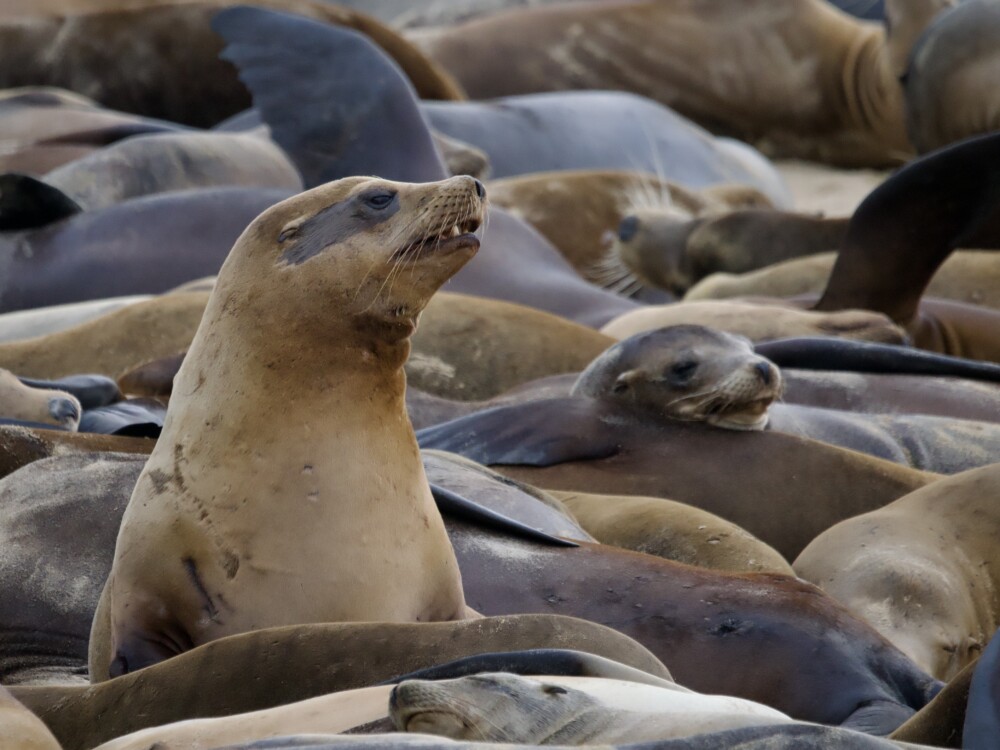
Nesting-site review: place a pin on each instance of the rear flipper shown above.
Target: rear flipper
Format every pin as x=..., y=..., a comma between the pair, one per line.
x=878, y=717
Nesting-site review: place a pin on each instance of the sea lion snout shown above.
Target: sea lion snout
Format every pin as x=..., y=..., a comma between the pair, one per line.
x=66, y=411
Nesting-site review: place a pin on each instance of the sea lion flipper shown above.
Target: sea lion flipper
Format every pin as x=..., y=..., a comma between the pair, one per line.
x=334, y=101
x=534, y=433
x=28, y=203
x=452, y=504
x=879, y=717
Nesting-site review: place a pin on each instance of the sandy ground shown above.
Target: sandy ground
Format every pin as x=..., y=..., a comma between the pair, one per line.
x=827, y=190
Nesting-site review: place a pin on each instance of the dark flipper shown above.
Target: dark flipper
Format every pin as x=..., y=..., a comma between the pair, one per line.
x=92, y=391
x=27, y=203
x=822, y=353
x=140, y=417
x=534, y=433
x=456, y=506
x=982, y=714
x=333, y=100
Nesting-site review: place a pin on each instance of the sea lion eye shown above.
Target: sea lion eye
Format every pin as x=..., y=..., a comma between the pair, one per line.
x=553, y=690
x=379, y=200
x=683, y=370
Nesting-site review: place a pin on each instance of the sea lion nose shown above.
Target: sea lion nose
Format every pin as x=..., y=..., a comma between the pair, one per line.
x=480, y=189
x=764, y=370
x=64, y=409
x=628, y=227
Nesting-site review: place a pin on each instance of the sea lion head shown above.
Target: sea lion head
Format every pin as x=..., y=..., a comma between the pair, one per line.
x=488, y=707
x=40, y=405
x=357, y=256
x=651, y=243
x=686, y=372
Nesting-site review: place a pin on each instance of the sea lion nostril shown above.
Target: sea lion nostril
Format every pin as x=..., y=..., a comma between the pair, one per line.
x=628, y=227
x=480, y=189
x=764, y=369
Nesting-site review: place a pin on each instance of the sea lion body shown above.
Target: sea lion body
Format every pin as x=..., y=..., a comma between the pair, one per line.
x=923, y=570
x=316, y=263
x=549, y=710
x=21, y=729
x=38, y=406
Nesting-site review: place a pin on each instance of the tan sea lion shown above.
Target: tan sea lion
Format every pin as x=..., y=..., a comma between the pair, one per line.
x=923, y=570
x=971, y=276
x=39, y=406
x=671, y=530
x=759, y=320
x=550, y=710
x=20, y=729
x=796, y=77
x=328, y=286
x=579, y=211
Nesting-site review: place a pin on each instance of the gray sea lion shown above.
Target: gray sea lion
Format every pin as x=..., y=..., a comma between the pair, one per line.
x=982, y=716
x=547, y=710
x=341, y=243
x=26, y=324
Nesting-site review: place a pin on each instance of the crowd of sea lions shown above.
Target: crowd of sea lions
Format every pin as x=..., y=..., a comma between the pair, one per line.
x=489, y=373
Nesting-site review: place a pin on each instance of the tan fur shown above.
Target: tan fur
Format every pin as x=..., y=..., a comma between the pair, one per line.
x=27, y=404
x=672, y=530
x=759, y=321
x=255, y=511
x=924, y=570
x=20, y=729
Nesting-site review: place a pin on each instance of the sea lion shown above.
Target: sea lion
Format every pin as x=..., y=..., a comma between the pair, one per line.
x=674, y=254
x=694, y=373
x=160, y=163
x=268, y=668
x=43, y=128
x=922, y=570
x=39, y=406
x=194, y=88
x=673, y=531
x=339, y=244
x=22, y=730
x=759, y=320
x=939, y=723
x=810, y=82
x=26, y=324
x=107, y=253
x=389, y=137
x=547, y=710
x=578, y=211
x=948, y=83
x=970, y=276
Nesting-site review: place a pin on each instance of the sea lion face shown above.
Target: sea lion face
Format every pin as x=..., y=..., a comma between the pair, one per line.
x=489, y=707
x=686, y=372
x=372, y=248
x=651, y=244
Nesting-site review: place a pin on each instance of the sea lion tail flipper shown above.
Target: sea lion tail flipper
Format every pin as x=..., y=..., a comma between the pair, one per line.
x=878, y=717
x=28, y=203
x=334, y=119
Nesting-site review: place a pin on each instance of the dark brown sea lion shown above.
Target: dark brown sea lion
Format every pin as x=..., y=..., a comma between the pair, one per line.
x=809, y=81
x=185, y=82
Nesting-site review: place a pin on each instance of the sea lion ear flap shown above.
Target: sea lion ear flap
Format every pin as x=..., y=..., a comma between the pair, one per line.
x=623, y=383
x=27, y=203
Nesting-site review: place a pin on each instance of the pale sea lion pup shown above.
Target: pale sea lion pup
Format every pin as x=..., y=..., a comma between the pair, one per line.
x=39, y=405
x=499, y=707
x=254, y=512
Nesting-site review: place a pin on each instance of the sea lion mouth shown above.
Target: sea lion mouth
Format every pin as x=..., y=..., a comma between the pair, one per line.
x=452, y=237
x=743, y=415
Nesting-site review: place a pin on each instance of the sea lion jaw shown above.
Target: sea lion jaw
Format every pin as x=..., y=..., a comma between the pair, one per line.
x=651, y=243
